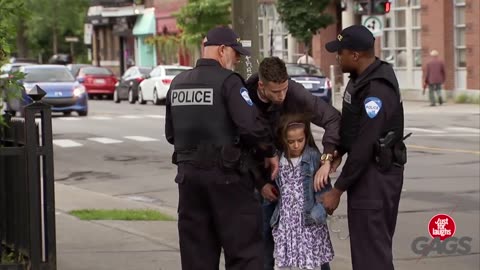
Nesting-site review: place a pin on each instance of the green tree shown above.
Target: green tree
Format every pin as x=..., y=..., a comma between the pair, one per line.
x=199, y=16
x=304, y=18
x=44, y=31
x=9, y=11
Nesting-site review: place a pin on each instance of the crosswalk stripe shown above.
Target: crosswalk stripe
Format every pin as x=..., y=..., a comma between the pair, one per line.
x=69, y=118
x=425, y=130
x=131, y=116
x=446, y=135
x=104, y=140
x=141, y=138
x=66, y=143
x=101, y=118
x=464, y=129
x=155, y=116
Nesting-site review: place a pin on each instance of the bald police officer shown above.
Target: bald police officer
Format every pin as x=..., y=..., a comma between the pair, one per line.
x=211, y=121
x=372, y=135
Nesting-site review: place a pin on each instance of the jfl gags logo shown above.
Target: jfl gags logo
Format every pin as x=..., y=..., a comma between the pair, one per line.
x=442, y=226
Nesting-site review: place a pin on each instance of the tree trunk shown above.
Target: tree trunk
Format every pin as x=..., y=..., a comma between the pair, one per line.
x=54, y=33
x=21, y=40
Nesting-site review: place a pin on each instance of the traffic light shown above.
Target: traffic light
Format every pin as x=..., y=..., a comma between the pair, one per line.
x=380, y=7
x=362, y=7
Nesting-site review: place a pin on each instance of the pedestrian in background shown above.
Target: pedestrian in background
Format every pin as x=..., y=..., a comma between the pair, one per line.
x=210, y=120
x=299, y=222
x=434, y=74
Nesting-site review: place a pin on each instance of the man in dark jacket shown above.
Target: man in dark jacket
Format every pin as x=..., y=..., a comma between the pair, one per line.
x=372, y=135
x=275, y=94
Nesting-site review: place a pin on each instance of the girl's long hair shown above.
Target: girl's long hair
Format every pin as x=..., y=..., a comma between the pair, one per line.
x=289, y=121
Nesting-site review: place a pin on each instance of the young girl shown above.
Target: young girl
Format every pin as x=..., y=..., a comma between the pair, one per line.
x=299, y=224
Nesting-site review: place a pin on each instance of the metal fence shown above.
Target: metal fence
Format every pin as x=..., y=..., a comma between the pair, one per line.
x=27, y=201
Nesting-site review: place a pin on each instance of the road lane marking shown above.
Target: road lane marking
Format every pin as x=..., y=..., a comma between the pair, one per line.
x=464, y=129
x=425, y=130
x=141, y=138
x=421, y=147
x=155, y=116
x=66, y=143
x=131, y=116
x=69, y=118
x=104, y=140
x=101, y=118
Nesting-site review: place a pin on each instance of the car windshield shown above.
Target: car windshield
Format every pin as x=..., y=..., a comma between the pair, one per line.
x=145, y=71
x=48, y=75
x=96, y=71
x=173, y=72
x=296, y=70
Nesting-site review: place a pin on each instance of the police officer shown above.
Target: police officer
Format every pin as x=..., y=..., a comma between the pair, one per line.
x=275, y=94
x=210, y=119
x=372, y=135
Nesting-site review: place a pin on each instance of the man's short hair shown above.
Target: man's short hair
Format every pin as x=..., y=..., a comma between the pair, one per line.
x=272, y=69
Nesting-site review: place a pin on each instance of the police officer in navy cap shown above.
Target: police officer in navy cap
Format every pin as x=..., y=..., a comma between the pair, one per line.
x=372, y=135
x=212, y=123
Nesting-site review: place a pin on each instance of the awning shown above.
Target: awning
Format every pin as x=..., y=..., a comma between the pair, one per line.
x=122, y=11
x=145, y=24
x=166, y=21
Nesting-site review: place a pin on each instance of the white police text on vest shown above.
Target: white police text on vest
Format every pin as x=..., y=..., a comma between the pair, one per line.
x=194, y=96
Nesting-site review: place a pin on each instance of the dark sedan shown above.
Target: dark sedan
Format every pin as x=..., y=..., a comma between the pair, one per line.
x=312, y=79
x=127, y=86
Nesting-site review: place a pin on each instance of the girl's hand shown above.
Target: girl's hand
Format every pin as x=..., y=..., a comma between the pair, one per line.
x=321, y=177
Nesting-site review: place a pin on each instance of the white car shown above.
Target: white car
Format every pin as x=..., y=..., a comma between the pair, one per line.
x=155, y=87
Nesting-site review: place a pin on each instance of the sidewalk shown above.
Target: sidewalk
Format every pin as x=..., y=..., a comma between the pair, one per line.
x=418, y=106
x=153, y=245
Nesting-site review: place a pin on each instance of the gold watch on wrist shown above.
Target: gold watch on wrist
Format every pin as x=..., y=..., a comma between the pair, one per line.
x=326, y=157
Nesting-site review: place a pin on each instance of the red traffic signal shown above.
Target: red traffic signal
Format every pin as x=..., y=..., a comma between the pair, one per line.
x=380, y=7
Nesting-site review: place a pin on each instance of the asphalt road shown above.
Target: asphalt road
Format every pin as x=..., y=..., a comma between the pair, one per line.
x=120, y=149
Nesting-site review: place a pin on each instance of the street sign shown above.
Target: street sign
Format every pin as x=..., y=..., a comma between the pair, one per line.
x=87, y=33
x=71, y=39
x=374, y=24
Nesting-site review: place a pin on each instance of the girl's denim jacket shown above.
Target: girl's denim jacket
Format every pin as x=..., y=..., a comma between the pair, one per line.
x=313, y=211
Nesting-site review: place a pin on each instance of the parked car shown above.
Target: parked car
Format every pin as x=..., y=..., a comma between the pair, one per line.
x=60, y=59
x=13, y=105
x=64, y=93
x=13, y=67
x=75, y=67
x=155, y=87
x=312, y=79
x=97, y=80
x=127, y=86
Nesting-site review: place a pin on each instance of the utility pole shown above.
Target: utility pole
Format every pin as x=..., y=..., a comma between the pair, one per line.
x=245, y=24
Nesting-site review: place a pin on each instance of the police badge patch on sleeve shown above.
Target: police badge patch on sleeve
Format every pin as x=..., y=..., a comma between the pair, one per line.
x=372, y=106
x=245, y=96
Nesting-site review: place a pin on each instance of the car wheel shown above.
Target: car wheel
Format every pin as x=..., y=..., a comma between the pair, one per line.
x=82, y=113
x=156, y=101
x=131, y=99
x=140, y=97
x=116, y=99
x=67, y=113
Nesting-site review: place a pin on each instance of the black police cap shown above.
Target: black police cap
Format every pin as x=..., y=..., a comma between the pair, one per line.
x=355, y=38
x=225, y=36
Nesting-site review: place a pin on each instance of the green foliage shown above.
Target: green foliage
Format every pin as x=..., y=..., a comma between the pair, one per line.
x=50, y=18
x=9, y=11
x=304, y=18
x=467, y=99
x=199, y=16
